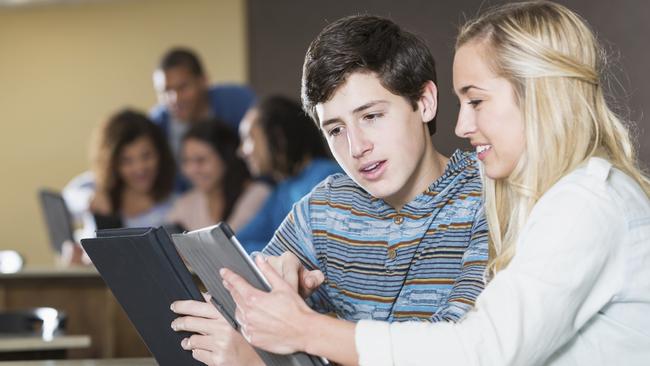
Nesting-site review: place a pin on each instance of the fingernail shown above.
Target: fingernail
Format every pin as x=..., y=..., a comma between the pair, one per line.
x=174, y=326
x=185, y=343
x=260, y=259
x=226, y=284
x=171, y=306
x=222, y=272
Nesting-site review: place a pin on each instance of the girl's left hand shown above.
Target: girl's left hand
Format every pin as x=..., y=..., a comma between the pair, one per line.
x=275, y=321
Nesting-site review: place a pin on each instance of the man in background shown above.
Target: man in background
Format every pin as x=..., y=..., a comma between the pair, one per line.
x=185, y=97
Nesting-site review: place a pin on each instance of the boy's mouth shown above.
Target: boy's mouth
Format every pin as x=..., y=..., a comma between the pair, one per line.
x=372, y=170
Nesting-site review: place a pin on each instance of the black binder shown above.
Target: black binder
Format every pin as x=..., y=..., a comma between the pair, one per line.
x=145, y=273
x=210, y=249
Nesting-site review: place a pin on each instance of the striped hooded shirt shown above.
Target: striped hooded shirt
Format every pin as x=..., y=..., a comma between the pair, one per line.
x=425, y=262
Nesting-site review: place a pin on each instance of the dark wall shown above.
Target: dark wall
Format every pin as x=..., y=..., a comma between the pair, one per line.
x=280, y=32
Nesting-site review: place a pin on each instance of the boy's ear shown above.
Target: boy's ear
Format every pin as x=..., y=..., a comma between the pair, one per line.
x=428, y=103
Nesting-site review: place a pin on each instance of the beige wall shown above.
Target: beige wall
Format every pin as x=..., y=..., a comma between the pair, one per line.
x=64, y=68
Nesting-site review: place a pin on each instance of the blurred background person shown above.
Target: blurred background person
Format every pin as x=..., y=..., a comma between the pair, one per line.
x=282, y=145
x=185, y=97
x=222, y=187
x=131, y=177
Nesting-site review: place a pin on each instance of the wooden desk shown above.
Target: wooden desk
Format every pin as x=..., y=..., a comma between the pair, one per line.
x=90, y=306
x=107, y=362
x=36, y=348
x=28, y=343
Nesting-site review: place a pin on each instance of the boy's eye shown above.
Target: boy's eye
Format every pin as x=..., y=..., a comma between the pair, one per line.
x=372, y=116
x=334, y=131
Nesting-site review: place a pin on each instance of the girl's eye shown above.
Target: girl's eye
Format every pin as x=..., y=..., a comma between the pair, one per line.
x=474, y=102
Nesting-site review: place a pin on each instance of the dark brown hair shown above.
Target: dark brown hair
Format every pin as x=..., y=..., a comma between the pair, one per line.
x=364, y=43
x=182, y=57
x=121, y=129
x=224, y=142
x=291, y=136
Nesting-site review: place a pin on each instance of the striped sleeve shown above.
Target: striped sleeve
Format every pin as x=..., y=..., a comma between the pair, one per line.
x=470, y=283
x=295, y=235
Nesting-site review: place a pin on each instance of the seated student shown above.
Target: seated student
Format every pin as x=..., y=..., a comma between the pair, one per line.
x=402, y=235
x=280, y=144
x=223, y=190
x=185, y=97
x=131, y=177
x=568, y=208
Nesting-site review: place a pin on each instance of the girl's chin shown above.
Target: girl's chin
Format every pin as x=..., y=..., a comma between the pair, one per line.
x=142, y=189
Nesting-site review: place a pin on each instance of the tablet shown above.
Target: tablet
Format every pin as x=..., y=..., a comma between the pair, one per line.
x=208, y=250
x=57, y=218
x=145, y=273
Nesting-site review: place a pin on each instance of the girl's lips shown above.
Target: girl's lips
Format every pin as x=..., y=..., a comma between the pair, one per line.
x=482, y=151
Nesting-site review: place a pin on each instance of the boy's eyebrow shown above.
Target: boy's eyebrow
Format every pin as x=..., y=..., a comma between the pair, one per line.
x=368, y=105
x=329, y=122
x=355, y=111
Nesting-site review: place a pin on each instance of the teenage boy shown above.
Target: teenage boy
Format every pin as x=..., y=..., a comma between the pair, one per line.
x=401, y=236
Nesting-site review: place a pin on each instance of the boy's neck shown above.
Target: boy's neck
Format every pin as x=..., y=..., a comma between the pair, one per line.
x=429, y=168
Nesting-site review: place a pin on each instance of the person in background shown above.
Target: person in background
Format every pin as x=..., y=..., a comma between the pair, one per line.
x=280, y=144
x=185, y=97
x=222, y=188
x=131, y=177
x=567, y=205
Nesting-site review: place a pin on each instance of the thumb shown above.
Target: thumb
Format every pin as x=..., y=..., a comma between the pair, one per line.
x=275, y=280
x=309, y=281
x=313, y=279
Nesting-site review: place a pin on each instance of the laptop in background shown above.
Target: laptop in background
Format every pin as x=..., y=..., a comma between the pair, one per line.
x=57, y=218
x=103, y=222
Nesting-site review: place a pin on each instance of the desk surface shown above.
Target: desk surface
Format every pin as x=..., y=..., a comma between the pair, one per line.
x=52, y=272
x=31, y=343
x=106, y=362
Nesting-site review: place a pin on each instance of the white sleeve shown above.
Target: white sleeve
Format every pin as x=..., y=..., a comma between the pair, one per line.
x=564, y=272
x=78, y=193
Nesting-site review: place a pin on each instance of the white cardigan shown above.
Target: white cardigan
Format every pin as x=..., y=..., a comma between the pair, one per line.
x=577, y=291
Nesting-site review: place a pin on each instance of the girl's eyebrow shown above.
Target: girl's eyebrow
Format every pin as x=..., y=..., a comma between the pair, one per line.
x=466, y=89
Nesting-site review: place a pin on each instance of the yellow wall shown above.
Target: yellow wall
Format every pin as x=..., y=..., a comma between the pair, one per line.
x=65, y=67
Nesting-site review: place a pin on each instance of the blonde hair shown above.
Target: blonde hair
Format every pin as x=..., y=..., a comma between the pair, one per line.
x=554, y=63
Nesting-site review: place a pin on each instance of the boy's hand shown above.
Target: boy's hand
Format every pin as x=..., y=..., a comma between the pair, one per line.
x=275, y=321
x=289, y=267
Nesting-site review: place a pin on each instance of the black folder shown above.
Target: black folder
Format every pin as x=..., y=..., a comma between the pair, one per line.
x=145, y=273
x=210, y=249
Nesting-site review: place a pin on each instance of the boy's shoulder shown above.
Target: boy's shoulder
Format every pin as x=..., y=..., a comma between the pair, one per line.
x=461, y=176
x=464, y=163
